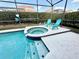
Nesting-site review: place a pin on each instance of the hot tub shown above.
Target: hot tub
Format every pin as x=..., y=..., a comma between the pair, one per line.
x=36, y=31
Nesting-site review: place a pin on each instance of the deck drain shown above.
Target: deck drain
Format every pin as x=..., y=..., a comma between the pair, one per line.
x=42, y=56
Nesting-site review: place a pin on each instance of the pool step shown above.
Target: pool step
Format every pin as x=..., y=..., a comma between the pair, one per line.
x=35, y=49
x=28, y=52
x=31, y=50
x=34, y=52
x=42, y=50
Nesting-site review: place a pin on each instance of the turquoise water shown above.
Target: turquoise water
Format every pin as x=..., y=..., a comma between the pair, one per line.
x=37, y=30
x=15, y=45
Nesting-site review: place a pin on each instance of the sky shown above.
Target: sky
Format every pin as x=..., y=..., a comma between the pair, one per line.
x=72, y=4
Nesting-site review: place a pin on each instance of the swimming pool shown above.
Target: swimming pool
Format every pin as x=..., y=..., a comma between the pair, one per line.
x=14, y=45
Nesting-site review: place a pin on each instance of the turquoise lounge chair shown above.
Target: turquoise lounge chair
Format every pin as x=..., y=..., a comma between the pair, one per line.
x=48, y=23
x=57, y=24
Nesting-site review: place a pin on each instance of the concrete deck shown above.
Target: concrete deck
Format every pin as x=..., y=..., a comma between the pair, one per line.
x=62, y=46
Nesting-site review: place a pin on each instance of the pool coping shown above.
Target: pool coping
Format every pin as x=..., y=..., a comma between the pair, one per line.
x=35, y=35
x=11, y=30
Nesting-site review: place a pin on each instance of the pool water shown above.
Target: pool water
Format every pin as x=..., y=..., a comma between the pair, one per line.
x=37, y=30
x=14, y=45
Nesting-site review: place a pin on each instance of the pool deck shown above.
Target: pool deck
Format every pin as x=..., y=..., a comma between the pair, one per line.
x=62, y=46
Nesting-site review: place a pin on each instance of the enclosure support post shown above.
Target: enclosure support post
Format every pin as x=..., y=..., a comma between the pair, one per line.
x=65, y=9
x=51, y=9
x=16, y=7
x=37, y=11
